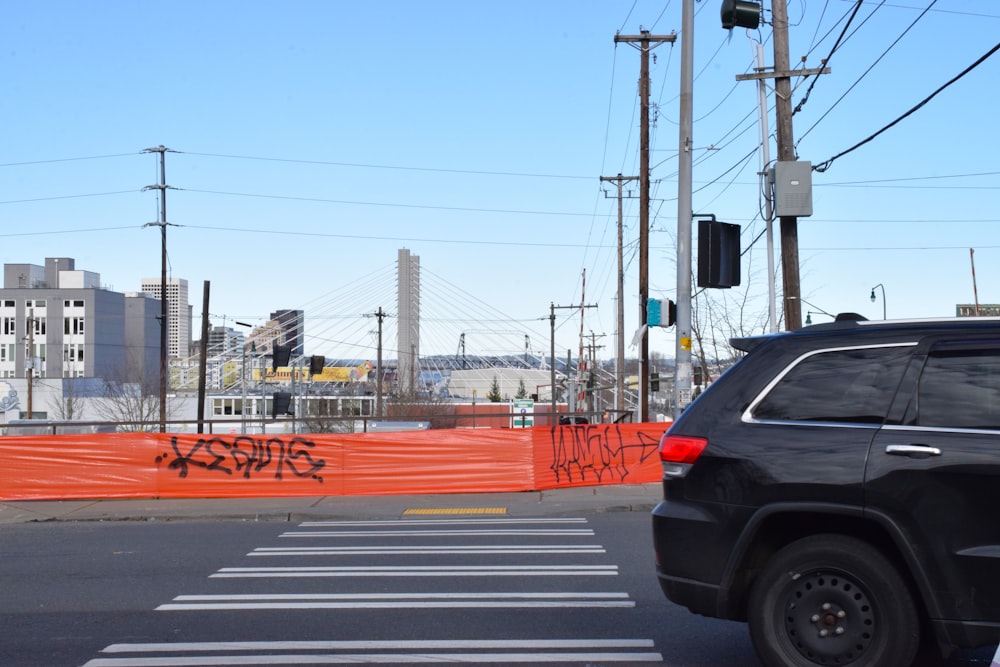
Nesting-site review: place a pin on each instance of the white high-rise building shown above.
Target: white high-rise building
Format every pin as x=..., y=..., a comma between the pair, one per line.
x=178, y=313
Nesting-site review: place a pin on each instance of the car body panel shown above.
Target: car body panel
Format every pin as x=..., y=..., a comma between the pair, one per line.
x=873, y=473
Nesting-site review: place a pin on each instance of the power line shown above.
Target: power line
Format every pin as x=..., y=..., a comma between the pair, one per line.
x=359, y=165
x=464, y=209
x=67, y=159
x=823, y=166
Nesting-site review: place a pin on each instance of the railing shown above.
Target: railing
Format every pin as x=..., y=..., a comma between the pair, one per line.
x=315, y=424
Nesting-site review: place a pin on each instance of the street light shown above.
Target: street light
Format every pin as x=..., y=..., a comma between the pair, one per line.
x=818, y=309
x=809, y=316
x=880, y=286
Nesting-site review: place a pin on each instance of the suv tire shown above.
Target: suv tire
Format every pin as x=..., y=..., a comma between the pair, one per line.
x=832, y=600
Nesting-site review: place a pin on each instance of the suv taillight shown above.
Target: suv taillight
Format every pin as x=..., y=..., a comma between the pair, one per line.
x=678, y=452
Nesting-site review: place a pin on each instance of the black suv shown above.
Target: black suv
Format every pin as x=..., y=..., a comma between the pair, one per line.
x=838, y=489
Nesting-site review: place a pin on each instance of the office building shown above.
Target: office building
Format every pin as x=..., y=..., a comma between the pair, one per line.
x=58, y=322
x=178, y=314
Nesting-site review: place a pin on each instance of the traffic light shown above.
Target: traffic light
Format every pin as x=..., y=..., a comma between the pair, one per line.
x=718, y=254
x=281, y=404
x=740, y=14
x=655, y=313
x=316, y=364
x=280, y=355
x=654, y=381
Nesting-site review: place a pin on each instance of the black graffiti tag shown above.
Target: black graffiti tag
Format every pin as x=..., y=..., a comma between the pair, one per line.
x=597, y=449
x=246, y=456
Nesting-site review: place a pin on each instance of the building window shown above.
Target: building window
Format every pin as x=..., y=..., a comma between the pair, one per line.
x=39, y=326
x=72, y=326
x=9, y=326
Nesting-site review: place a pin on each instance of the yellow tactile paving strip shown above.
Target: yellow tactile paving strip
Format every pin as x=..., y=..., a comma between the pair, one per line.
x=456, y=510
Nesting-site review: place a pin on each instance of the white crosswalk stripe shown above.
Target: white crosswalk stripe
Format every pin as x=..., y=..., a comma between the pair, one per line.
x=430, y=549
x=347, y=652
x=420, y=571
x=524, y=549
x=398, y=601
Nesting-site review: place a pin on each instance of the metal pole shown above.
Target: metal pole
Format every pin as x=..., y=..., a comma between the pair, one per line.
x=682, y=366
x=552, y=359
x=243, y=382
x=765, y=144
x=162, y=224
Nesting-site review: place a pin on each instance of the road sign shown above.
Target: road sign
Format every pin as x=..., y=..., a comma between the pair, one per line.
x=524, y=413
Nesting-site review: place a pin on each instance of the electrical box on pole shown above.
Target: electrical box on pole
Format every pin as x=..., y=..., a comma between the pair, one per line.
x=792, y=188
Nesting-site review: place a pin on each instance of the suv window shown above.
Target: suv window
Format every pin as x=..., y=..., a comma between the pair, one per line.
x=844, y=385
x=960, y=389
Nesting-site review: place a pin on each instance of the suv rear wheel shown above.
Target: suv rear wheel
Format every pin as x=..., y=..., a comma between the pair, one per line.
x=832, y=600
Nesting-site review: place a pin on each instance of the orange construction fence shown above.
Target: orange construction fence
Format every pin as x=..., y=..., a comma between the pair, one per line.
x=164, y=465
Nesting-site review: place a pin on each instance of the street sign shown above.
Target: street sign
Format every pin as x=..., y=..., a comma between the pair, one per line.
x=524, y=413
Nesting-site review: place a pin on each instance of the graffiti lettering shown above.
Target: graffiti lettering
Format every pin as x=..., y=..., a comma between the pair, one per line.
x=600, y=450
x=246, y=456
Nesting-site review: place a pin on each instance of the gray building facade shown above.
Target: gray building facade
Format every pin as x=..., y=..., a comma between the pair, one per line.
x=58, y=322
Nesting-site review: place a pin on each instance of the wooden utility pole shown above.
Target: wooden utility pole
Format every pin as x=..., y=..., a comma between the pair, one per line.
x=620, y=332
x=789, y=230
x=645, y=42
x=381, y=315
x=789, y=225
x=31, y=360
x=552, y=350
x=203, y=361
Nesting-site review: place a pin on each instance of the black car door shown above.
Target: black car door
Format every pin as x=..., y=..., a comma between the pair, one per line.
x=933, y=476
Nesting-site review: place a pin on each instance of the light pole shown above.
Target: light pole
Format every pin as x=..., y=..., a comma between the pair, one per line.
x=818, y=309
x=879, y=286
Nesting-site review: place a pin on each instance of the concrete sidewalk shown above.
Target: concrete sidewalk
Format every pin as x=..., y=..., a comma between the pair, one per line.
x=609, y=498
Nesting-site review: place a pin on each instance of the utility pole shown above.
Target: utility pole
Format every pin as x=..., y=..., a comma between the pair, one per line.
x=789, y=225
x=203, y=362
x=381, y=315
x=645, y=43
x=788, y=230
x=620, y=334
x=682, y=357
x=162, y=224
x=594, y=394
x=30, y=366
x=552, y=343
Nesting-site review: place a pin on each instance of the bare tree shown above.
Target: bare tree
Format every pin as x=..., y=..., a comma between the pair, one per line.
x=133, y=405
x=70, y=405
x=719, y=315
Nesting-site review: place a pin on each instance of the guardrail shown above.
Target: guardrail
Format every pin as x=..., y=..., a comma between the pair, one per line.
x=314, y=425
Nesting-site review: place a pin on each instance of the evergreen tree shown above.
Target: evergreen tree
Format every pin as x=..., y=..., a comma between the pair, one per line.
x=522, y=391
x=494, y=395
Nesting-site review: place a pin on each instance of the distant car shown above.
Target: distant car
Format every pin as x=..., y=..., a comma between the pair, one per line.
x=838, y=489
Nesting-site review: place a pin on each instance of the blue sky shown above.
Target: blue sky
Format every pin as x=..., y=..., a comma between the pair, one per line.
x=315, y=139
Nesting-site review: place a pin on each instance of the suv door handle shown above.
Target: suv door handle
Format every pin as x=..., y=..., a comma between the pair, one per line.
x=916, y=451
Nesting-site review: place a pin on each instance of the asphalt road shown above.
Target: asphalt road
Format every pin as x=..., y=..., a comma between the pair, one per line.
x=563, y=576
x=466, y=588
